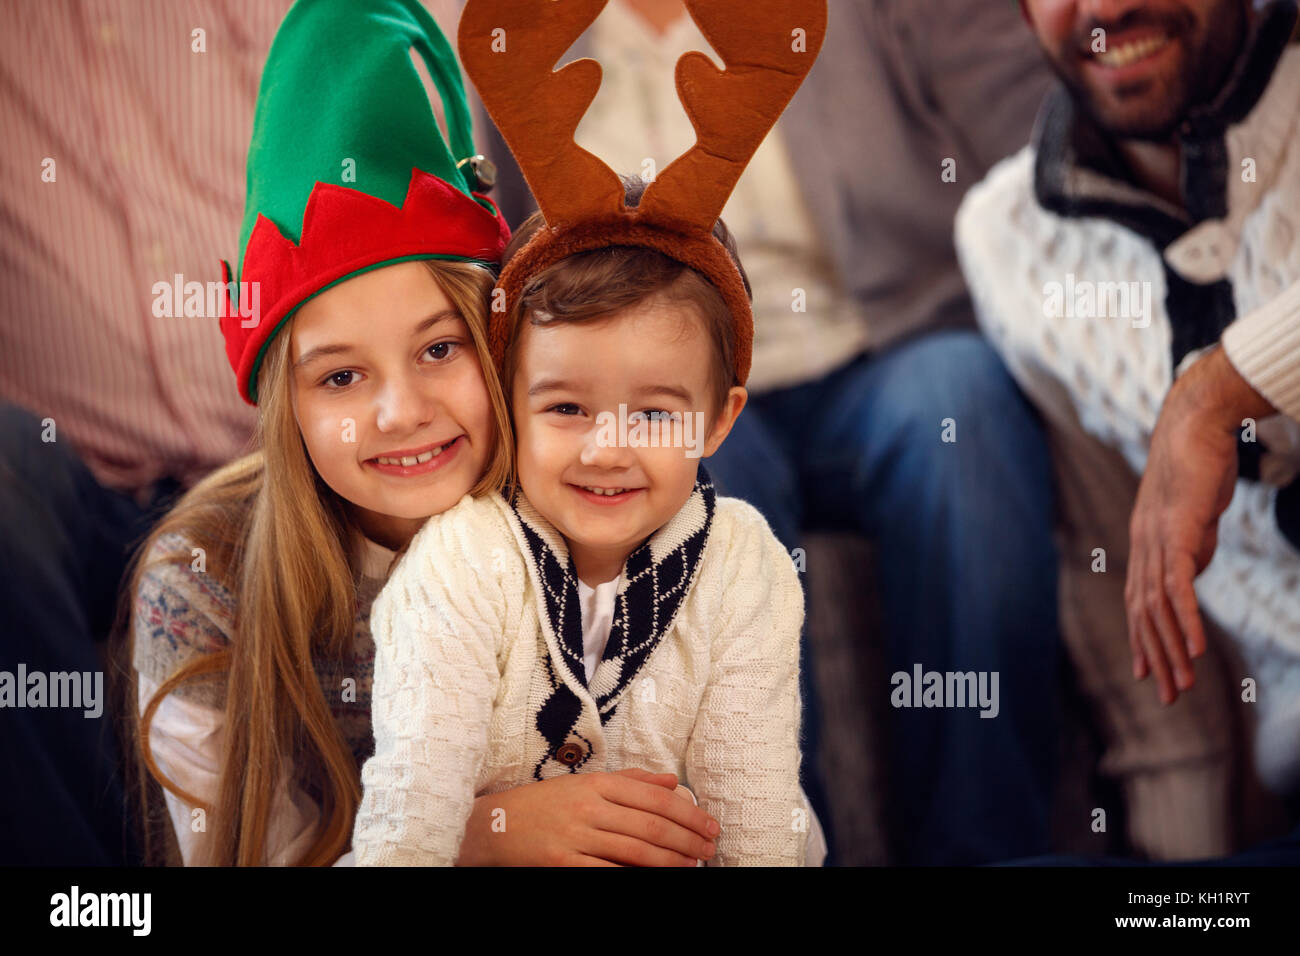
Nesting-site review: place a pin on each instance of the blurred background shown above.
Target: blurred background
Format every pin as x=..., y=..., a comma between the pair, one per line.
x=124, y=126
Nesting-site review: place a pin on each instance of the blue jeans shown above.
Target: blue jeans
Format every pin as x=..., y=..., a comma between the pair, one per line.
x=1280, y=851
x=965, y=571
x=64, y=544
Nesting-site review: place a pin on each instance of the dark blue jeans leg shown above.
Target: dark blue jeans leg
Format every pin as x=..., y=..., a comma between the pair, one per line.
x=967, y=579
x=752, y=466
x=64, y=543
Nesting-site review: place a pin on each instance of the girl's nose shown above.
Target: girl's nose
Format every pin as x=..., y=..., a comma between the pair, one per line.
x=403, y=406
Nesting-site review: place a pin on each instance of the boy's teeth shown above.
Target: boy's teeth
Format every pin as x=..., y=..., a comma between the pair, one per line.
x=1127, y=53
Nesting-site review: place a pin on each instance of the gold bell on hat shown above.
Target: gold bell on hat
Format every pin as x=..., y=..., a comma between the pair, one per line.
x=485, y=171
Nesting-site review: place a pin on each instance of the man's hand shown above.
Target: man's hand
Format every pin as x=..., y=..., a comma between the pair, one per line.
x=633, y=818
x=1189, y=479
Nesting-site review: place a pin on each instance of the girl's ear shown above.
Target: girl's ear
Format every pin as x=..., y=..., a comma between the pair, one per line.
x=732, y=406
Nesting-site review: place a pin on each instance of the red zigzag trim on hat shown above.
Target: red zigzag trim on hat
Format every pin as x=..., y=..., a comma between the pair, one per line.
x=344, y=231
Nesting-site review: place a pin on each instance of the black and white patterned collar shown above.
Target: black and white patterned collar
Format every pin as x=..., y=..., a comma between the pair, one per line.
x=655, y=582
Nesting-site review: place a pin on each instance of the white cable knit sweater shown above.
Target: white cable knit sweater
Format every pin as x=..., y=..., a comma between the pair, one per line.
x=471, y=680
x=1115, y=372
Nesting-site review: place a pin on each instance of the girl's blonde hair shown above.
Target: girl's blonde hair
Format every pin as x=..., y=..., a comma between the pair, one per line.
x=288, y=549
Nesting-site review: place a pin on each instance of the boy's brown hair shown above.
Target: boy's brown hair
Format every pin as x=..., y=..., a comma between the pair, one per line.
x=593, y=285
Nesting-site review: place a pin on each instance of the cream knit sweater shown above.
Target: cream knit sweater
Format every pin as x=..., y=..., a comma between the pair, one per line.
x=466, y=657
x=1115, y=370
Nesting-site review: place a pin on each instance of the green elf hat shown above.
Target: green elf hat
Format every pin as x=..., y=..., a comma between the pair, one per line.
x=347, y=170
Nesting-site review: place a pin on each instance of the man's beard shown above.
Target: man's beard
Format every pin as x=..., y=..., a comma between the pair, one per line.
x=1151, y=109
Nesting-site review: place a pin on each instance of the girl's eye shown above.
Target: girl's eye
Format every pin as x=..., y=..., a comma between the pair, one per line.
x=441, y=351
x=564, y=408
x=339, y=379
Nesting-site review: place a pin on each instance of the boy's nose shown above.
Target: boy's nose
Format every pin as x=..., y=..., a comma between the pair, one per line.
x=600, y=451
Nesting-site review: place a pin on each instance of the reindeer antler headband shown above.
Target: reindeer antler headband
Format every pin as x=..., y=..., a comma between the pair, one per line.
x=509, y=49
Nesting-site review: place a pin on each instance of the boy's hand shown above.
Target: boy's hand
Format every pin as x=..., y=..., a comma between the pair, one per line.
x=629, y=818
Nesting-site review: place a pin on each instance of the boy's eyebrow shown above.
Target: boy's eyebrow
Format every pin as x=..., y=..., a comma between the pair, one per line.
x=672, y=391
x=549, y=385
x=323, y=350
x=560, y=385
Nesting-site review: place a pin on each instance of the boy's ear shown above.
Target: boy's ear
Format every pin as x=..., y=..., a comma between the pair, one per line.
x=727, y=415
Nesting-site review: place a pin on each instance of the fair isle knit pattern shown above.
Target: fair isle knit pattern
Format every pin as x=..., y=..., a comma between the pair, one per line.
x=1115, y=372
x=182, y=614
x=478, y=689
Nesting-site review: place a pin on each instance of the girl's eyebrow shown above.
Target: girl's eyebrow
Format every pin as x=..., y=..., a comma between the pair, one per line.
x=320, y=352
x=446, y=315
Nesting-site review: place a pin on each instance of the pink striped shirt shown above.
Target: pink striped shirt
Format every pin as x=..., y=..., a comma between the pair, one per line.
x=148, y=139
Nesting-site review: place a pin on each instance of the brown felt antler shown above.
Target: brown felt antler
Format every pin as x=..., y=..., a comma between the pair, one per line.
x=509, y=49
x=732, y=110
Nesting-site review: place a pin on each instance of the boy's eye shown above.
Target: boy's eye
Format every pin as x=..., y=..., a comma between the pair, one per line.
x=654, y=415
x=339, y=379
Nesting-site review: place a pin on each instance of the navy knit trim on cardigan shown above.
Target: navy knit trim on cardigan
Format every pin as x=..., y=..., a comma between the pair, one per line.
x=656, y=580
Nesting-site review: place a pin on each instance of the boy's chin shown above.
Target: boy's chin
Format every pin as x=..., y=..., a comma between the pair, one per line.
x=602, y=536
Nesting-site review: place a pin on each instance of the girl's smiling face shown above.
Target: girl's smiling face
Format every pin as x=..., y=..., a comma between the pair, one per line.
x=390, y=398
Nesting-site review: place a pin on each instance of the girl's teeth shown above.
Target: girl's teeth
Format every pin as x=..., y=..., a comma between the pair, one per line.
x=408, y=460
x=605, y=491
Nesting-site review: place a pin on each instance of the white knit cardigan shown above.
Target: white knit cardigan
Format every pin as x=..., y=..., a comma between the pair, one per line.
x=466, y=657
x=1115, y=372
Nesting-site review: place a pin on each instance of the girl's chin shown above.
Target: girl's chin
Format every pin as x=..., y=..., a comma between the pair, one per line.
x=392, y=515
x=413, y=507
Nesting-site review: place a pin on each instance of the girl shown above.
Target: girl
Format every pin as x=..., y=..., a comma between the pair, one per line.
x=358, y=329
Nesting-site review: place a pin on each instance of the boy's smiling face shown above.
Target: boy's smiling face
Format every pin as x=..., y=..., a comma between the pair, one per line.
x=651, y=357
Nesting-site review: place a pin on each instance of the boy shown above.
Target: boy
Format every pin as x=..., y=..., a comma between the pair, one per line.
x=612, y=612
